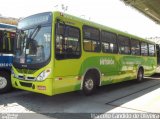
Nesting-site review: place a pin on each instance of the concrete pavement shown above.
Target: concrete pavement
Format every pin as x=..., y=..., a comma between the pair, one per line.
x=126, y=97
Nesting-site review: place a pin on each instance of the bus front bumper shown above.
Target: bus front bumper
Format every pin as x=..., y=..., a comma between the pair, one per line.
x=43, y=87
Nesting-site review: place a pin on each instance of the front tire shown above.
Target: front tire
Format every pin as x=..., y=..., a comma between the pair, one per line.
x=5, y=82
x=89, y=85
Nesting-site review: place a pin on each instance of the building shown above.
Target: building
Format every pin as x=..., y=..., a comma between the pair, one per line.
x=8, y=20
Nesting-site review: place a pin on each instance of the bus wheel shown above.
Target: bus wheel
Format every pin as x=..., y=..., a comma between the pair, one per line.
x=140, y=75
x=89, y=85
x=5, y=82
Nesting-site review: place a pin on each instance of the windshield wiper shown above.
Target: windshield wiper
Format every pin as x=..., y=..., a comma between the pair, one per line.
x=34, y=33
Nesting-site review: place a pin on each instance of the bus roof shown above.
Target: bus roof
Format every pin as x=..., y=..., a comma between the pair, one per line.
x=102, y=27
x=7, y=27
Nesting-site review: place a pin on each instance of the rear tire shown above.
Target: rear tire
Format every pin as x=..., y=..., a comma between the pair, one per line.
x=140, y=75
x=89, y=84
x=5, y=82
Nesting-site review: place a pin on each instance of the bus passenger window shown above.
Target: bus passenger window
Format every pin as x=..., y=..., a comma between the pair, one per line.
x=113, y=47
x=4, y=41
x=151, y=50
x=67, y=42
x=1, y=42
x=144, y=49
x=124, y=45
x=105, y=47
x=135, y=47
x=91, y=39
x=109, y=43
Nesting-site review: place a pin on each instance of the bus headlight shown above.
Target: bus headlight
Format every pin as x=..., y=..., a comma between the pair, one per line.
x=43, y=75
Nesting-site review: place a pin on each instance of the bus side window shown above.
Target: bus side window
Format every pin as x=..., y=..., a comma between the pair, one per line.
x=135, y=47
x=12, y=36
x=151, y=49
x=1, y=41
x=109, y=44
x=6, y=41
x=91, y=39
x=124, y=44
x=144, y=49
x=67, y=42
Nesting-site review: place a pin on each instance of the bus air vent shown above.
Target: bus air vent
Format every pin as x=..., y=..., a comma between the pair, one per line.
x=26, y=71
x=26, y=84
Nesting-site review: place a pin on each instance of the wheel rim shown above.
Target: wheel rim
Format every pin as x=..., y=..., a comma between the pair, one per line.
x=89, y=84
x=3, y=82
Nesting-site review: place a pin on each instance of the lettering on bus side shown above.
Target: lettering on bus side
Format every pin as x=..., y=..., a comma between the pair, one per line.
x=107, y=61
x=5, y=64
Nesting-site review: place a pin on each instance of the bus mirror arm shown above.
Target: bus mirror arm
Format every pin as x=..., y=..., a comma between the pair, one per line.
x=65, y=34
x=60, y=21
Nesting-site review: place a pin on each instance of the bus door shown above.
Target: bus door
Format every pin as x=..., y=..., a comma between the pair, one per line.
x=67, y=57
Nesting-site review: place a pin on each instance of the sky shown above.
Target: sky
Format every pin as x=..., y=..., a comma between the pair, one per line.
x=112, y=13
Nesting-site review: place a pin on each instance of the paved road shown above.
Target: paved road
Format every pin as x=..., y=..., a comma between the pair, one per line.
x=126, y=97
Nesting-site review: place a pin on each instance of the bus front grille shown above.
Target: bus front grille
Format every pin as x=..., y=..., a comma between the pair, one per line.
x=26, y=78
x=26, y=71
x=26, y=84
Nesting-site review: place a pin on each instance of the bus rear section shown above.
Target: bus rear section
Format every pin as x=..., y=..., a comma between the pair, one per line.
x=7, y=37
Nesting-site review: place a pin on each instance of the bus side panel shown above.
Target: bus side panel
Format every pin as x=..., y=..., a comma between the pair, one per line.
x=107, y=65
x=129, y=66
x=6, y=62
x=150, y=65
x=67, y=77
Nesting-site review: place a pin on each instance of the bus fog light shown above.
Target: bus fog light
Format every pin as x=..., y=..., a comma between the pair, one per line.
x=33, y=86
x=43, y=75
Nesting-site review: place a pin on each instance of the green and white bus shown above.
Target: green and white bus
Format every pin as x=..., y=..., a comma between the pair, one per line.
x=57, y=53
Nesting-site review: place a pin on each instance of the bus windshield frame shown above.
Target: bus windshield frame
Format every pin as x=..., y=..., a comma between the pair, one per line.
x=33, y=42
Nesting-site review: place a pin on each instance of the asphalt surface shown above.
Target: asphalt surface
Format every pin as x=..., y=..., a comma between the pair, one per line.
x=126, y=97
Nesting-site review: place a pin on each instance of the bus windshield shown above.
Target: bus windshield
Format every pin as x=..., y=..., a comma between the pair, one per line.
x=33, y=45
x=33, y=42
